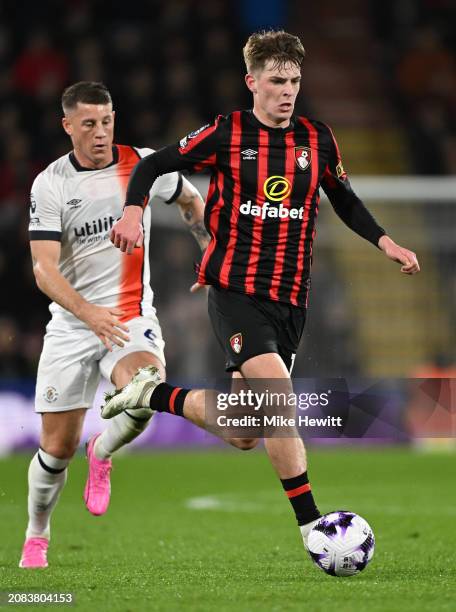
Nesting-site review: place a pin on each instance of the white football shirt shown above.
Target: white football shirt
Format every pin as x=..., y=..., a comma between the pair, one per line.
x=78, y=207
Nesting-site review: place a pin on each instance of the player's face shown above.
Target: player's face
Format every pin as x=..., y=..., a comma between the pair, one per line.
x=91, y=129
x=274, y=93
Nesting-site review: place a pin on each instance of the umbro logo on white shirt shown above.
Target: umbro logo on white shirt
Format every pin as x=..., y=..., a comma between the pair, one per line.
x=249, y=154
x=74, y=204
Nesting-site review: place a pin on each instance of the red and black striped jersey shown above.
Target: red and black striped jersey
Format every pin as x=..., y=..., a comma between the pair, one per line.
x=263, y=199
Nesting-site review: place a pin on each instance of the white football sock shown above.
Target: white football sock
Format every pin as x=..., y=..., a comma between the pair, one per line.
x=121, y=430
x=45, y=484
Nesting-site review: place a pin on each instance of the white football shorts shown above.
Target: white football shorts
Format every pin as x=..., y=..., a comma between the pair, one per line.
x=72, y=362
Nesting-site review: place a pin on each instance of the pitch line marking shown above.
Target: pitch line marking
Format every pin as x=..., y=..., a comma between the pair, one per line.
x=264, y=503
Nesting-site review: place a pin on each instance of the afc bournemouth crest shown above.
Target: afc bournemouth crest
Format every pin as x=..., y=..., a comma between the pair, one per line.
x=303, y=157
x=236, y=343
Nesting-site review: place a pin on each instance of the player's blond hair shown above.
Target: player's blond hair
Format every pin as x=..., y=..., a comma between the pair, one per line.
x=277, y=45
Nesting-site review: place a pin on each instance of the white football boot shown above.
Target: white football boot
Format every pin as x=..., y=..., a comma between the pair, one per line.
x=306, y=529
x=134, y=397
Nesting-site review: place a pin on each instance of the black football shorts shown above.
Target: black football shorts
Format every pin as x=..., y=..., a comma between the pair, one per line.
x=247, y=326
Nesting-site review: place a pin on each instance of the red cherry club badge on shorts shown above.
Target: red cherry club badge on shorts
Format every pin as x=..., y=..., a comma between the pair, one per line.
x=236, y=342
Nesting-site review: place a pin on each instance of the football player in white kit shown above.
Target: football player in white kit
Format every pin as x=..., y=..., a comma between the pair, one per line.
x=103, y=320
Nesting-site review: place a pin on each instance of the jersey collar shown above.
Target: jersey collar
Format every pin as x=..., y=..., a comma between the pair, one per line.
x=276, y=130
x=79, y=168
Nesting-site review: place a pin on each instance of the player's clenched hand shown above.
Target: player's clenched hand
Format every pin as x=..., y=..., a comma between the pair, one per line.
x=105, y=323
x=397, y=253
x=128, y=233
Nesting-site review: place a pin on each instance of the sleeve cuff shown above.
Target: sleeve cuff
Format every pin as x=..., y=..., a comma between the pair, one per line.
x=45, y=235
x=380, y=232
x=178, y=191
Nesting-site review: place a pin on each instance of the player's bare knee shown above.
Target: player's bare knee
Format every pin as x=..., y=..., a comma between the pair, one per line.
x=61, y=432
x=244, y=444
x=247, y=445
x=129, y=365
x=61, y=447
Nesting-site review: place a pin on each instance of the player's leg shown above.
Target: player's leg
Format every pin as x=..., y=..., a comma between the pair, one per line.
x=149, y=394
x=195, y=408
x=60, y=435
x=244, y=443
x=126, y=426
x=121, y=430
x=67, y=379
x=287, y=454
x=145, y=349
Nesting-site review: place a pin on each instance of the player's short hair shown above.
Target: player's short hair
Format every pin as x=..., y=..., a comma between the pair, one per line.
x=277, y=45
x=86, y=92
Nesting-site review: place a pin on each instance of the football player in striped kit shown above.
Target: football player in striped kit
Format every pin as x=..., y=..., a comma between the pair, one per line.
x=267, y=166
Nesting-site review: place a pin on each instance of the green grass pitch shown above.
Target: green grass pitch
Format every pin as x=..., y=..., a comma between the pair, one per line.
x=213, y=531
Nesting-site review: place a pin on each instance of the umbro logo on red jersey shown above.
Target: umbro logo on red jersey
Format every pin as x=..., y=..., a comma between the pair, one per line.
x=249, y=154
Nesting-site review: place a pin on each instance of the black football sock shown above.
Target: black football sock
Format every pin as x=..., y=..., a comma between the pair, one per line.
x=166, y=398
x=299, y=493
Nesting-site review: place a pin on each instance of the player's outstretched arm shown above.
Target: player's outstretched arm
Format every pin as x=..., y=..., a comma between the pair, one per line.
x=407, y=258
x=104, y=322
x=356, y=216
x=194, y=152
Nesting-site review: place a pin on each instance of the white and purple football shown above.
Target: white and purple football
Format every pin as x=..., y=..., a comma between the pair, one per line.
x=341, y=543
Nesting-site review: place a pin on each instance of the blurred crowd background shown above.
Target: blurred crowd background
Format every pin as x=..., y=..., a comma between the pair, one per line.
x=381, y=73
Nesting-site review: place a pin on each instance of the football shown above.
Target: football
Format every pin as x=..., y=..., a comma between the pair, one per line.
x=341, y=543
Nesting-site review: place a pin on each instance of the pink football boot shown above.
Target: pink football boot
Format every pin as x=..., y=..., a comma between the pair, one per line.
x=34, y=553
x=98, y=487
